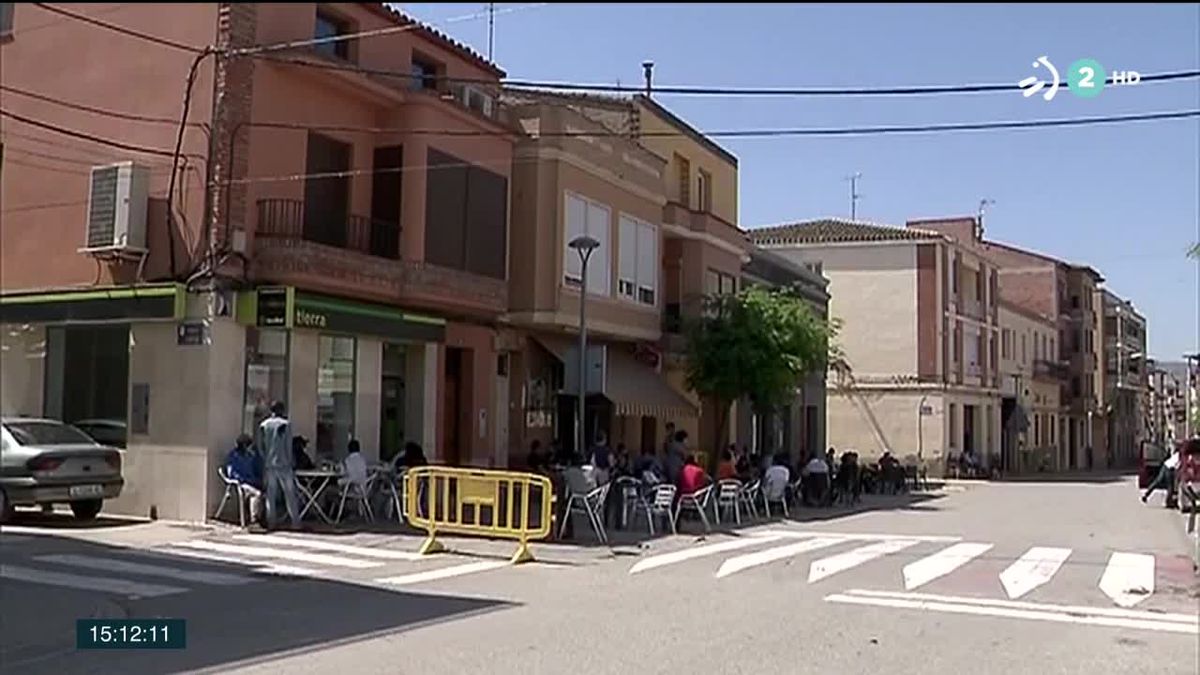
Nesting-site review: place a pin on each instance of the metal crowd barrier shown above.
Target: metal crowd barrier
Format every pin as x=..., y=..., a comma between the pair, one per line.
x=485, y=502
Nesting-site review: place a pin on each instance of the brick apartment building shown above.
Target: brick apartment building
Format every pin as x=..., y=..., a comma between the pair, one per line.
x=306, y=273
x=1067, y=294
x=919, y=332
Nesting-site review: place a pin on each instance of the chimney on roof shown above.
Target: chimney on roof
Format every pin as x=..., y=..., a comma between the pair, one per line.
x=648, y=72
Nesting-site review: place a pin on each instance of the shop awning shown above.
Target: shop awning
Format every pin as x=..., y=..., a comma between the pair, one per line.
x=634, y=389
x=120, y=303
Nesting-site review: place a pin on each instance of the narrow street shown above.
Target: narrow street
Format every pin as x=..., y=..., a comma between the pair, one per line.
x=1047, y=577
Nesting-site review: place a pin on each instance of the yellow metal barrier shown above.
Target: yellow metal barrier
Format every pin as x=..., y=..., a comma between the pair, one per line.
x=506, y=504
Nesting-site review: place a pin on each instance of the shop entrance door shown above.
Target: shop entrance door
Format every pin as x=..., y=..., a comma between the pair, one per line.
x=392, y=428
x=452, y=408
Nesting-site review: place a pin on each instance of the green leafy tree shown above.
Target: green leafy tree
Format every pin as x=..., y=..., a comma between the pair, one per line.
x=759, y=343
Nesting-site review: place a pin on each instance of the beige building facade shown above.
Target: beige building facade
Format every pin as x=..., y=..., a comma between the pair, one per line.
x=919, y=330
x=1031, y=381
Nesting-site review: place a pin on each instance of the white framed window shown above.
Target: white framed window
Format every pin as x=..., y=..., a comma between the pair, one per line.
x=637, y=276
x=584, y=216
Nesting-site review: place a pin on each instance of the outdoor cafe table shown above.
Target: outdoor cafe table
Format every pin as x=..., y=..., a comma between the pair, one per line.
x=312, y=484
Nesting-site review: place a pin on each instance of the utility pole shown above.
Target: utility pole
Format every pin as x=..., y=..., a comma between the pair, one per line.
x=854, y=195
x=491, y=28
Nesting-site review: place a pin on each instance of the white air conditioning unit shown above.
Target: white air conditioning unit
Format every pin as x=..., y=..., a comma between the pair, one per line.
x=116, y=216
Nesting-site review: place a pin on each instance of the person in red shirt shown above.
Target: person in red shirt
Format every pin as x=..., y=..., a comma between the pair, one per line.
x=692, y=478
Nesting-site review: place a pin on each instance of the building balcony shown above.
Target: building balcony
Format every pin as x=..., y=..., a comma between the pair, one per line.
x=703, y=223
x=1045, y=369
x=287, y=219
x=359, y=257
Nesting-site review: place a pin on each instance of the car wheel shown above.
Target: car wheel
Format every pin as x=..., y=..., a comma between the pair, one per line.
x=6, y=510
x=87, y=508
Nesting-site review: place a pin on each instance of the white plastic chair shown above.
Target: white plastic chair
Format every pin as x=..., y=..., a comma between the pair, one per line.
x=696, y=502
x=232, y=489
x=663, y=504
x=590, y=503
x=780, y=499
x=750, y=496
x=729, y=498
x=359, y=493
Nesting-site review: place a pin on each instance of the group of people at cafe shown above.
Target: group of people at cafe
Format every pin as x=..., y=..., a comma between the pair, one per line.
x=675, y=464
x=265, y=467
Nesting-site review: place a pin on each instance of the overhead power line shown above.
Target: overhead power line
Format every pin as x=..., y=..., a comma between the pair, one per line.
x=90, y=137
x=550, y=86
x=82, y=107
x=120, y=29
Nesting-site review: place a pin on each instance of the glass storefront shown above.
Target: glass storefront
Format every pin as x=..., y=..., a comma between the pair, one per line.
x=335, y=394
x=266, y=374
x=392, y=401
x=87, y=379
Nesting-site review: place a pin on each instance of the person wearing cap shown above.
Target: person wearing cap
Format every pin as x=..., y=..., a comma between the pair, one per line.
x=243, y=465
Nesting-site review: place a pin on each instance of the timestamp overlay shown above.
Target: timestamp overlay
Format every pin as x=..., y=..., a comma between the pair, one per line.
x=130, y=634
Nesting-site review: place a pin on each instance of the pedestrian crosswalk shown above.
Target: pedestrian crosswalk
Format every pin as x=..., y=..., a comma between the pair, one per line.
x=213, y=563
x=1127, y=578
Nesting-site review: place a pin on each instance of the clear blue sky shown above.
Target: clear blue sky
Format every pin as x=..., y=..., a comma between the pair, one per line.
x=1123, y=199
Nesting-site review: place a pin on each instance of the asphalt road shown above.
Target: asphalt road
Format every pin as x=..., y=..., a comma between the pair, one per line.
x=1065, y=577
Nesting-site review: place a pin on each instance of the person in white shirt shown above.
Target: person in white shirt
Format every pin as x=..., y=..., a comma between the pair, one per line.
x=1165, y=478
x=816, y=481
x=776, y=479
x=354, y=467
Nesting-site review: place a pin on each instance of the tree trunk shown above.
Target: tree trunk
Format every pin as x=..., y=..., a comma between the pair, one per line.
x=719, y=438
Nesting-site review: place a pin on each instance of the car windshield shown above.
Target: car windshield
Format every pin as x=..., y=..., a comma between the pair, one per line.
x=47, y=433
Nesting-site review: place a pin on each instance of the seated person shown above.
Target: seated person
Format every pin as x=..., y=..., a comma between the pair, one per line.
x=775, y=480
x=648, y=468
x=300, y=459
x=537, y=461
x=242, y=465
x=727, y=468
x=692, y=478
x=412, y=456
x=816, y=480
x=354, y=466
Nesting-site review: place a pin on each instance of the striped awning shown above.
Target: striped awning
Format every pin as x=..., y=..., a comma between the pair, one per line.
x=634, y=388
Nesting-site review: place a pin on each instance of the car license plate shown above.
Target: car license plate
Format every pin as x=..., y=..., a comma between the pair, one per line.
x=85, y=491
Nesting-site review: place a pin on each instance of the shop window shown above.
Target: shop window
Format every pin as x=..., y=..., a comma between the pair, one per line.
x=335, y=394
x=266, y=374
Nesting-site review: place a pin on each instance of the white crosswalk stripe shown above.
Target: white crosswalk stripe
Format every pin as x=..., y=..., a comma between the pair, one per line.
x=941, y=563
x=125, y=566
x=1128, y=578
x=827, y=567
x=748, y=560
x=443, y=573
x=318, y=545
x=1035, y=568
x=281, y=554
x=694, y=552
x=255, y=566
x=133, y=589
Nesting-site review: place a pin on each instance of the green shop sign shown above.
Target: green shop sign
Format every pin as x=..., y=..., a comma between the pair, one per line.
x=287, y=307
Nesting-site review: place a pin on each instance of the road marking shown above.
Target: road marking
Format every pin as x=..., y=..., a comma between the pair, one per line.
x=1170, y=623
x=748, y=560
x=266, y=552
x=827, y=567
x=941, y=563
x=115, y=565
x=443, y=573
x=132, y=589
x=664, y=559
x=1129, y=578
x=1033, y=569
x=257, y=567
x=302, y=542
x=859, y=536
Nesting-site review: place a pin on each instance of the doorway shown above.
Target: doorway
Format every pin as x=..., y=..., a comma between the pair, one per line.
x=327, y=198
x=969, y=429
x=87, y=375
x=392, y=428
x=452, y=408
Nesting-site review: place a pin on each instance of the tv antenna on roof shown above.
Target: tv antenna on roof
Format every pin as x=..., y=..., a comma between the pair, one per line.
x=854, y=194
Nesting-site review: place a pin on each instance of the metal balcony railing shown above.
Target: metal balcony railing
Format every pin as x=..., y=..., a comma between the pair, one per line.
x=288, y=219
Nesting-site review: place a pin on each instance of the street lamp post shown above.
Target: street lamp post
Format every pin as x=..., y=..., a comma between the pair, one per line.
x=584, y=246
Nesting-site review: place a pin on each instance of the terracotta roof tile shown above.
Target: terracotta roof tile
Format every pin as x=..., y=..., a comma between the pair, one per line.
x=827, y=230
x=386, y=10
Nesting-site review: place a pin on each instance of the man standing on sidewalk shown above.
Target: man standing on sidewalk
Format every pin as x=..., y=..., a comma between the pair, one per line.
x=275, y=445
x=1165, y=478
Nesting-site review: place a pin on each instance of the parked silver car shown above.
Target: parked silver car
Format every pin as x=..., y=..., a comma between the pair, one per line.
x=48, y=462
